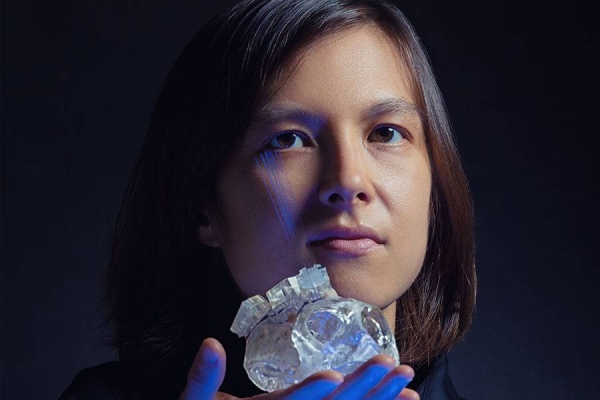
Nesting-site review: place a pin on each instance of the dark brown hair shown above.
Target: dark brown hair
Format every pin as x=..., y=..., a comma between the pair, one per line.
x=165, y=292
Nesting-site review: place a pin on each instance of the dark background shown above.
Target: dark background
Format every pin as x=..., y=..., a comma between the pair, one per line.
x=79, y=80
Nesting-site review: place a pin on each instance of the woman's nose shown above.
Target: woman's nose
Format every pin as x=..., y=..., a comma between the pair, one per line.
x=346, y=177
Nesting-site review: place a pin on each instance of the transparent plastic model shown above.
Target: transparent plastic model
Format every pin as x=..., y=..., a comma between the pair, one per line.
x=305, y=327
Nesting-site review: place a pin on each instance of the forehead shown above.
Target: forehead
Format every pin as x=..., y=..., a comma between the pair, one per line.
x=362, y=58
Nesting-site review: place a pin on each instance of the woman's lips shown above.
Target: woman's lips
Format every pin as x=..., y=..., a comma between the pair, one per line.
x=354, y=247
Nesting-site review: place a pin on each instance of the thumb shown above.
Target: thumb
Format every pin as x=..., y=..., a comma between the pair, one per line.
x=207, y=372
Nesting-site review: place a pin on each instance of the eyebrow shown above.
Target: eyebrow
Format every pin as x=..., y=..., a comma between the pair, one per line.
x=272, y=112
x=392, y=105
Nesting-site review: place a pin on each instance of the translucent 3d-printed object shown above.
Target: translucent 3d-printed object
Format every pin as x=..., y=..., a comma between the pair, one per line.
x=305, y=327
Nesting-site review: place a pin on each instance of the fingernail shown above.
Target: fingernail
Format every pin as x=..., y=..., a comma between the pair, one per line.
x=209, y=356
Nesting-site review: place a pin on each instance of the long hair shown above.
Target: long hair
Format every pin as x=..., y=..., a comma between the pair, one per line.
x=165, y=292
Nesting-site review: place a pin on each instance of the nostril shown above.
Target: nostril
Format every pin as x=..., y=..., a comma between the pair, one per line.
x=338, y=198
x=335, y=197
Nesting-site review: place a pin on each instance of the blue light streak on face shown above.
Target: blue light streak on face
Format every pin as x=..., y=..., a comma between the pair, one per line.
x=280, y=195
x=267, y=160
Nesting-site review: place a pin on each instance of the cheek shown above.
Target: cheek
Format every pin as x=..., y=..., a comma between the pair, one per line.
x=242, y=199
x=408, y=191
x=259, y=212
x=241, y=219
x=419, y=223
x=417, y=203
x=409, y=204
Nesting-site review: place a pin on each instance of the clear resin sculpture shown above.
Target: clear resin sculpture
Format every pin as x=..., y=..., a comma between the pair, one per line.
x=305, y=327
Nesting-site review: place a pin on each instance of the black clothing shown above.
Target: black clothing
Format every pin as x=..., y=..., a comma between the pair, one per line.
x=112, y=381
x=433, y=382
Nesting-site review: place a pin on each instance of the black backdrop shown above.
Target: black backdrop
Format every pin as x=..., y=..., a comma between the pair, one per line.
x=79, y=80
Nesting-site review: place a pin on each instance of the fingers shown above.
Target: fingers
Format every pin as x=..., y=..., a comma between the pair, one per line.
x=316, y=387
x=207, y=372
x=408, y=394
x=377, y=379
x=392, y=386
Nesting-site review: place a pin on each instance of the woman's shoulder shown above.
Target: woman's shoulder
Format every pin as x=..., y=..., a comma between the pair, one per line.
x=108, y=381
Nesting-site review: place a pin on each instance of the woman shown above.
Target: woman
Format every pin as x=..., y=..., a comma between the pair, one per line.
x=290, y=132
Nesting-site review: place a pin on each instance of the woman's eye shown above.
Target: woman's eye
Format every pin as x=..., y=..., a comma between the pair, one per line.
x=386, y=134
x=287, y=140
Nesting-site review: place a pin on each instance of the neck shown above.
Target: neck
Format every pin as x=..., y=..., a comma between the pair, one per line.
x=389, y=313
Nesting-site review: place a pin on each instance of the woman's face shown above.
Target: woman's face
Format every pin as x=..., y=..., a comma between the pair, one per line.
x=333, y=170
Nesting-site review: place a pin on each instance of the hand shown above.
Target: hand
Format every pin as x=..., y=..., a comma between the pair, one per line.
x=377, y=379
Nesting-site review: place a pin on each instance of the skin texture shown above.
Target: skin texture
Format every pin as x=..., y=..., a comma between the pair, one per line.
x=338, y=176
x=334, y=170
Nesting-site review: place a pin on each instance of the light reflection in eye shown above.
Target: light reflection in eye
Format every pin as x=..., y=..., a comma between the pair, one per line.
x=386, y=134
x=287, y=140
